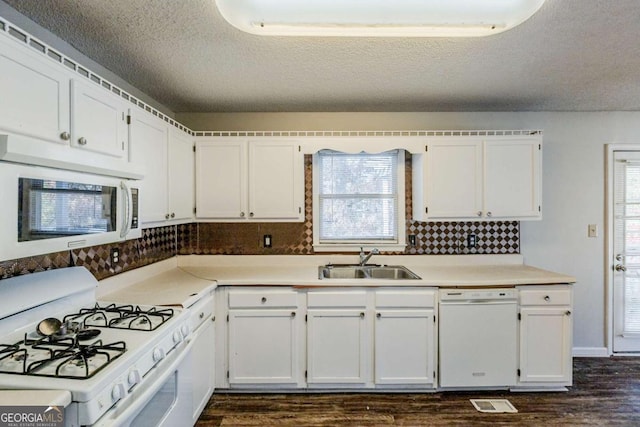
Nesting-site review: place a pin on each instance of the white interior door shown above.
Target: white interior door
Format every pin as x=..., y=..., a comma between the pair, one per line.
x=625, y=258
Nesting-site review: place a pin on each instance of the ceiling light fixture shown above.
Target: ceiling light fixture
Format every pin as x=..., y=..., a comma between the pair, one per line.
x=377, y=18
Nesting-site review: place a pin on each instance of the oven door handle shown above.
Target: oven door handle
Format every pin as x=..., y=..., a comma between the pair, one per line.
x=123, y=416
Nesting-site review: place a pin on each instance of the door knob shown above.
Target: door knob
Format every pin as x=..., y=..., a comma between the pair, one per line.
x=620, y=267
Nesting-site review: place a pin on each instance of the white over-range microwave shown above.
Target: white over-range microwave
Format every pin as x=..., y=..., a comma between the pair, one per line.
x=46, y=210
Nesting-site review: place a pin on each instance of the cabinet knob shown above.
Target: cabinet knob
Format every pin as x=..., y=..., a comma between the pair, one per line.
x=362, y=315
x=479, y=213
x=65, y=136
x=251, y=214
x=378, y=315
x=489, y=214
x=620, y=267
x=201, y=315
x=263, y=300
x=82, y=141
x=173, y=214
x=241, y=214
x=293, y=314
x=568, y=313
x=166, y=216
x=547, y=298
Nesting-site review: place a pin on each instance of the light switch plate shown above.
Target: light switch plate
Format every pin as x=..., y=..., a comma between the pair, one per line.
x=593, y=230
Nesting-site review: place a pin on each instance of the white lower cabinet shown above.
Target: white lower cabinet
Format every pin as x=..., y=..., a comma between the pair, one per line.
x=337, y=349
x=202, y=354
x=338, y=339
x=373, y=338
x=546, y=336
x=405, y=338
x=265, y=337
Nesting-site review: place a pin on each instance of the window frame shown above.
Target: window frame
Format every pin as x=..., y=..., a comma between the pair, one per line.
x=398, y=245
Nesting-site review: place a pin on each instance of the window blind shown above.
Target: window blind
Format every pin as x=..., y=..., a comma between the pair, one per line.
x=358, y=196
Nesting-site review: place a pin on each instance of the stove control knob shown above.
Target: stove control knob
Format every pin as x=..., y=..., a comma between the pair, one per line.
x=134, y=377
x=158, y=355
x=118, y=392
x=185, y=330
x=177, y=337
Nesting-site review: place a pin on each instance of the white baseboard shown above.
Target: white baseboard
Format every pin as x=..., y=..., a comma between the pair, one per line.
x=590, y=352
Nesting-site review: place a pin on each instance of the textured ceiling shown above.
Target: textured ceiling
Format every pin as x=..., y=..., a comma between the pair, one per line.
x=573, y=55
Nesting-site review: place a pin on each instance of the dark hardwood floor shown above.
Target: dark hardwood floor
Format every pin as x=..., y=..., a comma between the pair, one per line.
x=606, y=392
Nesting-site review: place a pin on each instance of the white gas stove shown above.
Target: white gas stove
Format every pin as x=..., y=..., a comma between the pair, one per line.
x=113, y=358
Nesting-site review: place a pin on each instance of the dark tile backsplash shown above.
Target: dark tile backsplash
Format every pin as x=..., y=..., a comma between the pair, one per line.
x=160, y=243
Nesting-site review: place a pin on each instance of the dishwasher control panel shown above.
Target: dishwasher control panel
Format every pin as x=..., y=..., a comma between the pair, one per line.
x=477, y=294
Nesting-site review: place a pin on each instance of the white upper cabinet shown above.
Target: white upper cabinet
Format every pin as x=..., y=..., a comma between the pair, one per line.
x=221, y=179
x=276, y=180
x=149, y=142
x=489, y=178
x=451, y=178
x=512, y=178
x=239, y=180
x=181, y=175
x=166, y=192
x=52, y=116
x=35, y=95
x=98, y=120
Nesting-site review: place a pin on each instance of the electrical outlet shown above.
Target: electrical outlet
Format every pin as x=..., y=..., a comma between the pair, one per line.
x=593, y=230
x=266, y=241
x=412, y=239
x=471, y=241
x=115, y=255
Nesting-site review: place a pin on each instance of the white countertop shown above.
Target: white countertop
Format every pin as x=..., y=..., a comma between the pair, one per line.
x=433, y=271
x=172, y=286
x=35, y=398
x=184, y=281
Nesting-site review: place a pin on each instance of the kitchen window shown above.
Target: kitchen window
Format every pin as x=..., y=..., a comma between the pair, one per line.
x=358, y=200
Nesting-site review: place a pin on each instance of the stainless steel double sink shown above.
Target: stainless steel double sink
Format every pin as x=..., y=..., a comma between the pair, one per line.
x=351, y=271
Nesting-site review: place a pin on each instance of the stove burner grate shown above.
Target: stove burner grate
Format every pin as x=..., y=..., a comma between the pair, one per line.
x=63, y=358
x=121, y=317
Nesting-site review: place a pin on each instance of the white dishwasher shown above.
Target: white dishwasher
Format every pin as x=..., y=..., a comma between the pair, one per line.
x=478, y=338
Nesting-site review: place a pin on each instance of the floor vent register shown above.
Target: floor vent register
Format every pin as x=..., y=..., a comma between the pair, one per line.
x=494, y=406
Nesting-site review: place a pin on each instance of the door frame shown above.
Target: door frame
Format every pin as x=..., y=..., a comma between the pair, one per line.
x=609, y=249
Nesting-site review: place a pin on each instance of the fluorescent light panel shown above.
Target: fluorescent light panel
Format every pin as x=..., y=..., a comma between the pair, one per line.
x=377, y=18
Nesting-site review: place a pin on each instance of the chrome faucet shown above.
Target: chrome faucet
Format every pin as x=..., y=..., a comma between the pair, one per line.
x=365, y=257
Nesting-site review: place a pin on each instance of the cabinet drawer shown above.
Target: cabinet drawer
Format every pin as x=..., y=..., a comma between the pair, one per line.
x=543, y=297
x=200, y=311
x=402, y=299
x=245, y=299
x=337, y=299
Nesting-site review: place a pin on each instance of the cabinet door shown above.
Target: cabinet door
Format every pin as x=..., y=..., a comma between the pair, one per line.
x=404, y=347
x=337, y=347
x=35, y=94
x=276, y=180
x=221, y=172
x=512, y=178
x=453, y=179
x=202, y=358
x=545, y=344
x=264, y=347
x=98, y=120
x=149, y=149
x=181, y=175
